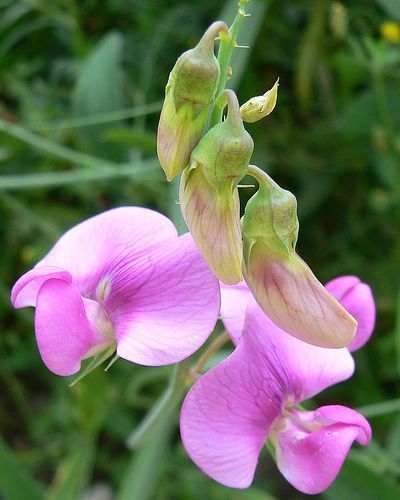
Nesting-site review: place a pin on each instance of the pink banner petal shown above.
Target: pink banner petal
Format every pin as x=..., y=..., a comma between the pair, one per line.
x=89, y=249
x=227, y=416
x=305, y=369
x=165, y=313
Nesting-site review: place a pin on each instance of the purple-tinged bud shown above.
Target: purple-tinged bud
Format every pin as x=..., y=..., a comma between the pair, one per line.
x=260, y=106
x=190, y=90
x=213, y=218
x=281, y=282
x=209, y=196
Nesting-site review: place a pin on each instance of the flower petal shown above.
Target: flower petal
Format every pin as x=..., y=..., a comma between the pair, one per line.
x=294, y=299
x=167, y=314
x=227, y=416
x=356, y=297
x=234, y=302
x=88, y=249
x=63, y=332
x=213, y=218
x=25, y=290
x=311, y=459
x=305, y=369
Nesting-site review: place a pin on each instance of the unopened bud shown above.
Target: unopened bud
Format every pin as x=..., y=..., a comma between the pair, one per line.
x=191, y=88
x=225, y=151
x=209, y=196
x=261, y=106
x=282, y=283
x=271, y=215
x=213, y=217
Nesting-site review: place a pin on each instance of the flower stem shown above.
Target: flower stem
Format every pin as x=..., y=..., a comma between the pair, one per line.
x=261, y=177
x=53, y=148
x=378, y=409
x=163, y=408
x=225, y=52
x=215, y=346
x=137, y=173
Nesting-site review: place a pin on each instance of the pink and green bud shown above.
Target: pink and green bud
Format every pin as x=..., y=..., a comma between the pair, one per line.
x=213, y=218
x=209, y=196
x=190, y=90
x=261, y=106
x=282, y=283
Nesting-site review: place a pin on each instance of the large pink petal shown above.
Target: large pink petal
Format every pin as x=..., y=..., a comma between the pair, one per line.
x=228, y=413
x=357, y=298
x=234, y=302
x=305, y=369
x=25, y=290
x=89, y=249
x=164, y=308
x=311, y=451
x=63, y=332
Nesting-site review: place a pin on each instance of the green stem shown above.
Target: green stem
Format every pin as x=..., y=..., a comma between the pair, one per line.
x=215, y=346
x=378, y=409
x=52, y=148
x=225, y=52
x=140, y=480
x=262, y=177
x=163, y=408
x=83, y=121
x=104, y=172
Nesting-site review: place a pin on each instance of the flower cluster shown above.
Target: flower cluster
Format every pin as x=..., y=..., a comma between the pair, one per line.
x=125, y=282
x=213, y=162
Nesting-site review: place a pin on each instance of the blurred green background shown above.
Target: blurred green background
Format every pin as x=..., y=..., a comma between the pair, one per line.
x=81, y=84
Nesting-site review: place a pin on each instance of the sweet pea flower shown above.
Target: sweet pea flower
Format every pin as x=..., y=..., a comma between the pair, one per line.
x=122, y=280
x=254, y=394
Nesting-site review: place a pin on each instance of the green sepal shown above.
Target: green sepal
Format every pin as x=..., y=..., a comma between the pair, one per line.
x=94, y=363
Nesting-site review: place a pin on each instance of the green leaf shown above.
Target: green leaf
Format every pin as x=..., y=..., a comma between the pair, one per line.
x=100, y=87
x=392, y=7
x=15, y=483
x=128, y=137
x=141, y=477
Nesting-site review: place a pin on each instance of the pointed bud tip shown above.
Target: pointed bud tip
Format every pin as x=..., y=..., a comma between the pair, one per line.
x=259, y=107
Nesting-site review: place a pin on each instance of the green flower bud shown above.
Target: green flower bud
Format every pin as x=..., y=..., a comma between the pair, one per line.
x=271, y=217
x=225, y=151
x=282, y=283
x=190, y=90
x=209, y=196
x=261, y=106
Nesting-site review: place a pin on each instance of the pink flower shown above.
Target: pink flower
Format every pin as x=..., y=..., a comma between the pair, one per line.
x=121, y=279
x=254, y=395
